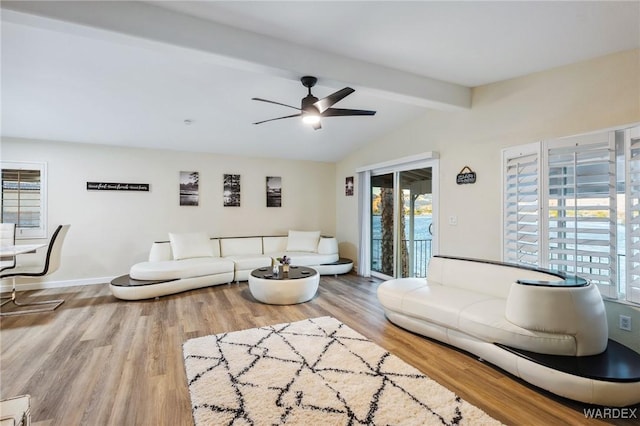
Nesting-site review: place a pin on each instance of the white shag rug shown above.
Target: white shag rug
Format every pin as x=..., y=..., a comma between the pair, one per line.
x=313, y=372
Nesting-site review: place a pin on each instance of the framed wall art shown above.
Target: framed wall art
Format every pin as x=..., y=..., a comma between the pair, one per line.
x=231, y=190
x=189, y=184
x=348, y=186
x=274, y=191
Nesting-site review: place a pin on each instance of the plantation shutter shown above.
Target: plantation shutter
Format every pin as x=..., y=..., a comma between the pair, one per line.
x=632, y=196
x=521, y=229
x=581, y=209
x=21, y=197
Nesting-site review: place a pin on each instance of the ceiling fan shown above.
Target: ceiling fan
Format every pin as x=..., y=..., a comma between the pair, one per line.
x=312, y=109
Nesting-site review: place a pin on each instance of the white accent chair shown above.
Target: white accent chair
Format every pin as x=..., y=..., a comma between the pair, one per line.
x=50, y=265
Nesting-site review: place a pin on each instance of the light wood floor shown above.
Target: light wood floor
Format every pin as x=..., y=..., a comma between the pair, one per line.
x=97, y=360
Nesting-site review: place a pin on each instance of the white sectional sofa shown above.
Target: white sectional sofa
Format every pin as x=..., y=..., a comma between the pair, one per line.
x=500, y=312
x=193, y=260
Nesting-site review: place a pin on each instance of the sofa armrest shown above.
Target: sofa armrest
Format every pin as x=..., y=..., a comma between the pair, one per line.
x=328, y=245
x=578, y=311
x=160, y=251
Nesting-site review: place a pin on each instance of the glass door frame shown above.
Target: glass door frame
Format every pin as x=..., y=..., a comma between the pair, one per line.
x=427, y=160
x=413, y=183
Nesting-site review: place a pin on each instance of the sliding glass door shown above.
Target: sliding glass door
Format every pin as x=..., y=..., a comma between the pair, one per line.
x=382, y=228
x=416, y=221
x=401, y=222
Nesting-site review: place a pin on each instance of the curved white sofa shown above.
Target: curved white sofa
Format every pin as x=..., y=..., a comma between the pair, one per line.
x=489, y=308
x=193, y=260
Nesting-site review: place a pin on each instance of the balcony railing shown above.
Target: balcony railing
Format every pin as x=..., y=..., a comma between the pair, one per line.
x=421, y=253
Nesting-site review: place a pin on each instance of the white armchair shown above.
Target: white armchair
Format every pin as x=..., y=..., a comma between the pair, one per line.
x=50, y=265
x=7, y=238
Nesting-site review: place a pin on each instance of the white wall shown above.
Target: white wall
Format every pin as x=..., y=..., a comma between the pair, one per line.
x=574, y=99
x=570, y=100
x=111, y=230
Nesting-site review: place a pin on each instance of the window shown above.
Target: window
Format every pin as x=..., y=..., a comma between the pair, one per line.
x=573, y=205
x=24, y=198
x=632, y=209
x=522, y=207
x=581, y=209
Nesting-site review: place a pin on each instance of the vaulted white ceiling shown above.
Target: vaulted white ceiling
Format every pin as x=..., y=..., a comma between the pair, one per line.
x=131, y=73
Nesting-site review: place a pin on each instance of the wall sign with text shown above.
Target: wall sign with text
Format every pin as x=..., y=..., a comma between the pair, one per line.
x=466, y=175
x=111, y=186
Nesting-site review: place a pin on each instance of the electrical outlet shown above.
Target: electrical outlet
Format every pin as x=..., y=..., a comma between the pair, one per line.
x=624, y=322
x=453, y=220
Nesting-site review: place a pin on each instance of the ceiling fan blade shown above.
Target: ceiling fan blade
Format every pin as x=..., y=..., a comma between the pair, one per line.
x=279, y=118
x=273, y=102
x=341, y=112
x=325, y=103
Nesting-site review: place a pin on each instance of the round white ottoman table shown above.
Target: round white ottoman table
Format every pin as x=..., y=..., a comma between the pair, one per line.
x=286, y=288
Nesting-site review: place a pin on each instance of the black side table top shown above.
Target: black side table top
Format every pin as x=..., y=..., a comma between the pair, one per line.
x=127, y=281
x=617, y=363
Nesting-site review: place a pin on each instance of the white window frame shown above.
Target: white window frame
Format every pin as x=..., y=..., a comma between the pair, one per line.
x=541, y=149
x=41, y=231
x=508, y=155
x=632, y=210
x=581, y=145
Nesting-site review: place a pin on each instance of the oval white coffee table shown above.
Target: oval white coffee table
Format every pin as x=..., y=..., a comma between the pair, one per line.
x=298, y=285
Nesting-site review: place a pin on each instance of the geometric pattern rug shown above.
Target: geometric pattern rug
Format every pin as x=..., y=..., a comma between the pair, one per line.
x=313, y=372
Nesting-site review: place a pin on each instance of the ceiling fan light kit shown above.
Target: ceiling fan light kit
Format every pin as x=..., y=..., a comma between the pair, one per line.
x=311, y=117
x=313, y=110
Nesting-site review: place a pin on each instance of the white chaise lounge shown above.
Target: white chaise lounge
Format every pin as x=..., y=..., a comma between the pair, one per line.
x=508, y=315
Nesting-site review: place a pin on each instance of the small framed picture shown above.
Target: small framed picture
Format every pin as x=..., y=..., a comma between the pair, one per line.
x=348, y=186
x=231, y=191
x=274, y=191
x=189, y=182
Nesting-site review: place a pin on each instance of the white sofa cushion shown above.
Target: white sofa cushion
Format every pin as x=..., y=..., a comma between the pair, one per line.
x=274, y=244
x=393, y=292
x=177, y=269
x=240, y=246
x=479, y=277
x=303, y=241
x=190, y=245
x=215, y=246
x=250, y=261
x=161, y=250
x=439, y=304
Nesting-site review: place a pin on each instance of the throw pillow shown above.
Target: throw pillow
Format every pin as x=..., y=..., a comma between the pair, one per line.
x=303, y=241
x=188, y=245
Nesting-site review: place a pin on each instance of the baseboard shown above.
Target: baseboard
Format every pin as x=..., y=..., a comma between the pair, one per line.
x=6, y=284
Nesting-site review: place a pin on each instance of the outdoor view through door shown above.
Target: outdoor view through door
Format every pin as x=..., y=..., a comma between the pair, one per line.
x=401, y=222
